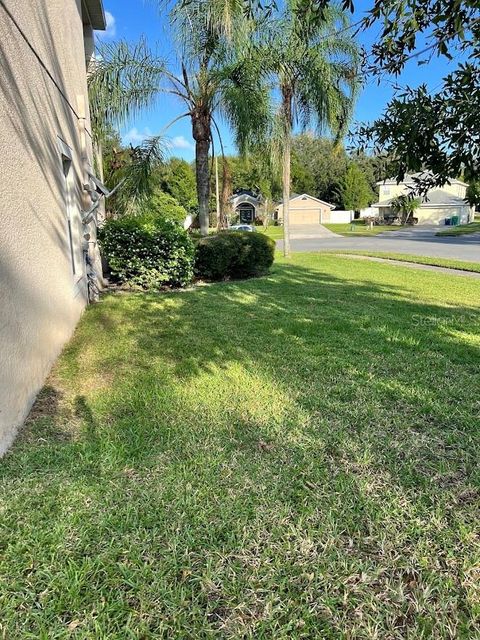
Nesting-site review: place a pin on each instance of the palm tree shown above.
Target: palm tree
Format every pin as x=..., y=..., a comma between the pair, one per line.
x=405, y=206
x=314, y=62
x=215, y=78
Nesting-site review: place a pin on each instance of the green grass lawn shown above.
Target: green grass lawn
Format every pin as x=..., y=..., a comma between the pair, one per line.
x=462, y=265
x=360, y=229
x=272, y=231
x=342, y=229
x=289, y=457
x=461, y=230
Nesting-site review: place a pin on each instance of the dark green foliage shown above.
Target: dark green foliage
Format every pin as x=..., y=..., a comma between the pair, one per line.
x=321, y=159
x=177, y=178
x=473, y=194
x=254, y=171
x=148, y=251
x=354, y=191
x=303, y=180
x=424, y=129
x=164, y=206
x=234, y=255
x=134, y=168
x=375, y=167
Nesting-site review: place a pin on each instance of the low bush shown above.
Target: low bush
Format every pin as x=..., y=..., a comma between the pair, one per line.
x=148, y=251
x=234, y=255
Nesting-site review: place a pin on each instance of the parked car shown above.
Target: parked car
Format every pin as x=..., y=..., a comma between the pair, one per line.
x=241, y=227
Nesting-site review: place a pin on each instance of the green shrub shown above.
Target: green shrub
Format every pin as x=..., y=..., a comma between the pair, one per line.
x=148, y=251
x=163, y=205
x=234, y=255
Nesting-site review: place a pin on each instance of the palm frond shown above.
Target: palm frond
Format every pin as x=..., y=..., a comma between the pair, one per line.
x=244, y=101
x=145, y=159
x=125, y=80
x=201, y=26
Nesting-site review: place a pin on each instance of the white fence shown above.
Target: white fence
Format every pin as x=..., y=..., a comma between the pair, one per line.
x=338, y=216
x=369, y=212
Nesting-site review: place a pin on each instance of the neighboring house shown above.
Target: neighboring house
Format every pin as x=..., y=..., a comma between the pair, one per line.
x=305, y=209
x=440, y=203
x=246, y=204
x=46, y=161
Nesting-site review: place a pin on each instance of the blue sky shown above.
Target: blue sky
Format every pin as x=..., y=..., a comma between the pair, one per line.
x=133, y=19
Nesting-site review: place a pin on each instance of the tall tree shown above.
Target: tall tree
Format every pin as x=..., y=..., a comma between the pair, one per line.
x=256, y=172
x=354, y=191
x=422, y=128
x=437, y=129
x=375, y=167
x=177, y=178
x=473, y=194
x=302, y=178
x=314, y=65
x=326, y=161
x=215, y=78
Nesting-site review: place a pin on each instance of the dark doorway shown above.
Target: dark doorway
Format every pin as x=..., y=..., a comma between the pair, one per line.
x=246, y=213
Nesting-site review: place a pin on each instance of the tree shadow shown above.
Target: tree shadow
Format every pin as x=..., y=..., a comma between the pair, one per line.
x=365, y=342
x=348, y=384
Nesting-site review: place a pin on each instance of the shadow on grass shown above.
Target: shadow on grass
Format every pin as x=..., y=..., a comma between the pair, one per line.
x=338, y=347
x=302, y=404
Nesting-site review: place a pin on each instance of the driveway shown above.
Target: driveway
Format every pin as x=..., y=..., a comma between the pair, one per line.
x=310, y=231
x=417, y=240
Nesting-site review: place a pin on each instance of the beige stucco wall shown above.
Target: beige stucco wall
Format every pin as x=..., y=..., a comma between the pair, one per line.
x=456, y=189
x=392, y=190
x=387, y=191
x=437, y=215
x=40, y=298
x=307, y=211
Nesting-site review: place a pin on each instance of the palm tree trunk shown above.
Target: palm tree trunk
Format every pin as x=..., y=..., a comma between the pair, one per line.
x=225, y=193
x=202, y=169
x=287, y=144
x=202, y=134
x=286, y=196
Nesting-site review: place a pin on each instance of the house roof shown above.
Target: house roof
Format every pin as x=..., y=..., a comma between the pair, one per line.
x=243, y=195
x=93, y=13
x=245, y=192
x=435, y=198
x=411, y=178
x=302, y=196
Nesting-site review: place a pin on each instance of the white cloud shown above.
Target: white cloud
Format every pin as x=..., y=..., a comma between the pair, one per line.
x=111, y=29
x=180, y=142
x=135, y=137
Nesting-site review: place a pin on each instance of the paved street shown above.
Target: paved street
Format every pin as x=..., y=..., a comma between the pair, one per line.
x=419, y=241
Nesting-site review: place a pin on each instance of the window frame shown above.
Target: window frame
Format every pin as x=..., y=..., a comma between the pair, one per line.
x=68, y=189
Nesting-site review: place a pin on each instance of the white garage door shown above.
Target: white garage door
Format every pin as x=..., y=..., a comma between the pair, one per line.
x=437, y=215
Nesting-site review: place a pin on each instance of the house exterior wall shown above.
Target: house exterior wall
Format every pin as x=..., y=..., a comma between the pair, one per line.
x=392, y=190
x=41, y=298
x=427, y=213
x=388, y=191
x=307, y=211
x=437, y=215
x=456, y=189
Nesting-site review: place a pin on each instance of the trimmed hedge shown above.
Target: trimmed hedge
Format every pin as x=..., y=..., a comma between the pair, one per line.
x=234, y=254
x=148, y=251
